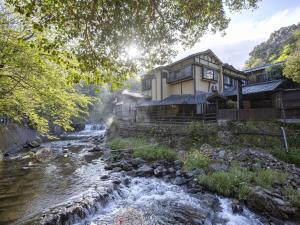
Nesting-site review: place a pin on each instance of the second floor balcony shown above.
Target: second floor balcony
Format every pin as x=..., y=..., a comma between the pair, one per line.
x=186, y=73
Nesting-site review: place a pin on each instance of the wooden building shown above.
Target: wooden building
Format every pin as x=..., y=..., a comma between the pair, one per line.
x=180, y=90
x=267, y=96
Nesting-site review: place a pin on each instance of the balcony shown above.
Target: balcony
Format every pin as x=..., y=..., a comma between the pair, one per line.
x=183, y=74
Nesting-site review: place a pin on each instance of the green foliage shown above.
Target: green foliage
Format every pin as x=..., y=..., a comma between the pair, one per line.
x=196, y=159
x=267, y=178
x=293, y=195
x=142, y=148
x=34, y=83
x=234, y=147
x=104, y=29
x=201, y=133
x=292, y=67
x=155, y=153
x=232, y=183
x=280, y=45
x=126, y=143
x=292, y=156
x=237, y=181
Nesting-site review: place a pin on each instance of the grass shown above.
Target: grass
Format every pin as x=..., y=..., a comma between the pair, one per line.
x=237, y=181
x=231, y=183
x=292, y=156
x=155, y=153
x=267, y=178
x=293, y=195
x=195, y=160
x=127, y=143
x=143, y=149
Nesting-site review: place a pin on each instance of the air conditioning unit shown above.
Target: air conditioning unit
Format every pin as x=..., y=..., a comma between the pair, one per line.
x=214, y=88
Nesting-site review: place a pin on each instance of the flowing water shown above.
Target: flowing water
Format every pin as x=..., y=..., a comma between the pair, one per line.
x=69, y=174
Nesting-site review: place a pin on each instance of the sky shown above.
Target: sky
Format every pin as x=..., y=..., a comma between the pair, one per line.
x=248, y=29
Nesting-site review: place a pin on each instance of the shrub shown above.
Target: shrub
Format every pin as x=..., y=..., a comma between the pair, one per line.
x=293, y=195
x=236, y=182
x=196, y=159
x=267, y=178
x=201, y=133
x=231, y=183
x=127, y=143
x=292, y=156
x=152, y=153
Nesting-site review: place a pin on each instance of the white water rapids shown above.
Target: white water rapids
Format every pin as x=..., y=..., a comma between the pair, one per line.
x=73, y=171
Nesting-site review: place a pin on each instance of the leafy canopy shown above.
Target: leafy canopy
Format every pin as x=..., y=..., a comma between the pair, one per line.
x=100, y=31
x=34, y=83
x=292, y=66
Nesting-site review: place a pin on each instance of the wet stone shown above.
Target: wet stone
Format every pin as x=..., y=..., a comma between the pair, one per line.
x=144, y=171
x=236, y=208
x=158, y=171
x=105, y=177
x=117, y=169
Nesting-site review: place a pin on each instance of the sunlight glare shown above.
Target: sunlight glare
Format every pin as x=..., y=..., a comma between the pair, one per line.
x=132, y=51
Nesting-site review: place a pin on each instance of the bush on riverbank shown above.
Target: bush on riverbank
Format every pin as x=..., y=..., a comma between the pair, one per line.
x=293, y=195
x=127, y=143
x=292, y=156
x=237, y=181
x=143, y=149
x=153, y=153
x=196, y=160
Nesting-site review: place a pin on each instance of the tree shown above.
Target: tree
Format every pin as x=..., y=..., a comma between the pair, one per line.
x=292, y=67
x=34, y=83
x=100, y=31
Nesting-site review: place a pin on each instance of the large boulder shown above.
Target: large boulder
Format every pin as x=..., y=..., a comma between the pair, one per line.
x=265, y=202
x=144, y=171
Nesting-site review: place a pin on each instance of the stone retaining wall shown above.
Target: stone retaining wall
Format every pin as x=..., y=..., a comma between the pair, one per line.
x=13, y=137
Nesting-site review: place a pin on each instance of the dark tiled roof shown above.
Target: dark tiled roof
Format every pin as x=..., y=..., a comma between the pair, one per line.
x=263, y=67
x=199, y=98
x=256, y=88
x=148, y=103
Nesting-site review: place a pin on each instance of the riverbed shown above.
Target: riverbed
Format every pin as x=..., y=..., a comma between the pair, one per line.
x=33, y=189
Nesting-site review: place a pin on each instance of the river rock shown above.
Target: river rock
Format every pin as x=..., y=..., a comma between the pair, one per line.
x=179, y=181
x=261, y=200
x=178, y=163
x=126, y=166
x=33, y=144
x=171, y=170
x=136, y=162
x=144, y=171
x=117, y=169
x=158, y=172
x=179, y=173
x=236, y=208
x=104, y=177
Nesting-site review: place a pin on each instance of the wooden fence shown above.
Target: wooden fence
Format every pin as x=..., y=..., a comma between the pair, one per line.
x=249, y=114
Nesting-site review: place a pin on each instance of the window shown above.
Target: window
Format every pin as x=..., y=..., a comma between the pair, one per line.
x=228, y=82
x=146, y=84
x=181, y=74
x=210, y=74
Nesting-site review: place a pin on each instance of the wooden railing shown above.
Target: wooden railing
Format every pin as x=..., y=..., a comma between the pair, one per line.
x=249, y=114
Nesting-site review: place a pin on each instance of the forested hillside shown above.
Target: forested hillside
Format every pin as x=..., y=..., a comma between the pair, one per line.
x=279, y=45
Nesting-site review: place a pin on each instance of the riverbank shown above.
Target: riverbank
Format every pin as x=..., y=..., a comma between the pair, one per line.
x=255, y=178
x=64, y=182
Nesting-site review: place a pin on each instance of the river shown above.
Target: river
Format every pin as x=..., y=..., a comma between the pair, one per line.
x=33, y=188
